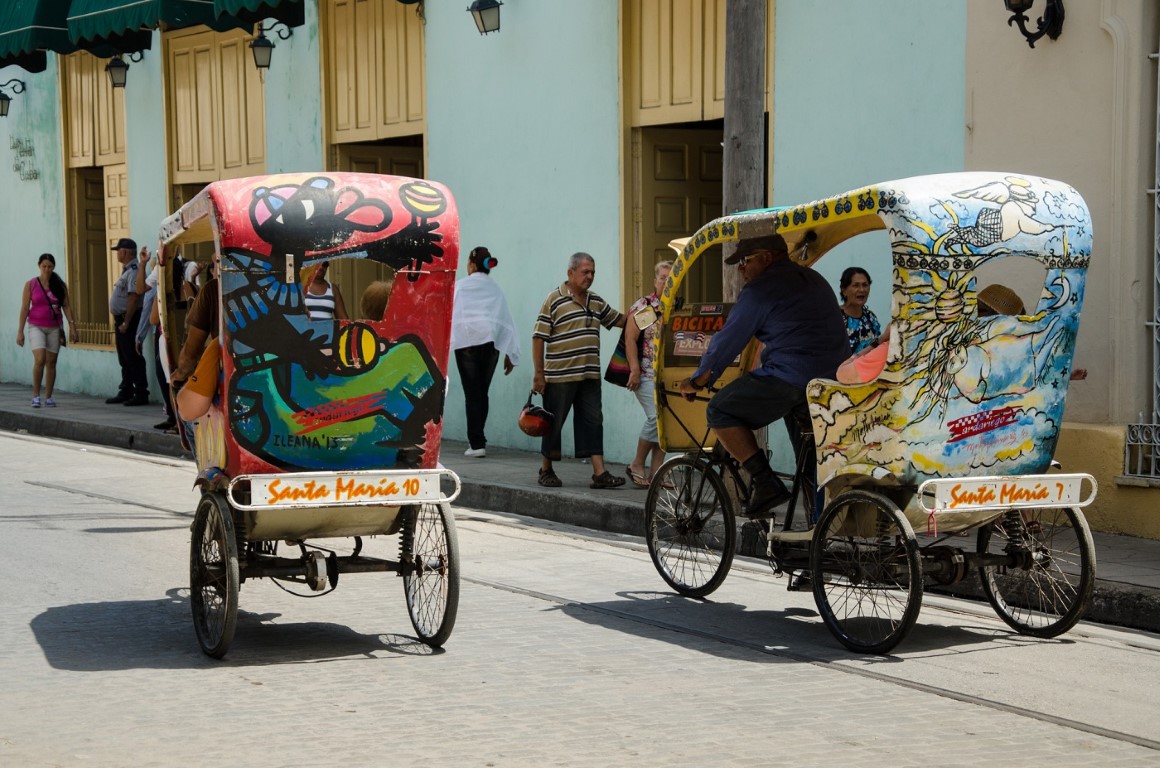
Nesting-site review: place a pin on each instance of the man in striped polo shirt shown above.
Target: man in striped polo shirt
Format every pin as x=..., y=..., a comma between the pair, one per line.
x=566, y=354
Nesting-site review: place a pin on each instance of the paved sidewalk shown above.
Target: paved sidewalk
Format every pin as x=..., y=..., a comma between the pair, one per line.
x=1127, y=590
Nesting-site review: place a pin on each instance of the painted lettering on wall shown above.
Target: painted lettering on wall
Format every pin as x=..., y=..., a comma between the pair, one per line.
x=24, y=158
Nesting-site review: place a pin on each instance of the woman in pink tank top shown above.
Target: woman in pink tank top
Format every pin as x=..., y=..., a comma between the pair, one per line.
x=44, y=307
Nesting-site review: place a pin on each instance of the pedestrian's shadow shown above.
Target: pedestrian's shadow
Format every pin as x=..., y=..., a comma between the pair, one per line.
x=159, y=634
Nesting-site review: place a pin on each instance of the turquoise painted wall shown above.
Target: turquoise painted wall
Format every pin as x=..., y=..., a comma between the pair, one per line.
x=33, y=211
x=865, y=92
x=294, y=100
x=31, y=208
x=523, y=126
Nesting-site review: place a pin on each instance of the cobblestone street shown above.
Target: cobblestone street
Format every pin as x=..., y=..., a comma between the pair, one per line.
x=568, y=651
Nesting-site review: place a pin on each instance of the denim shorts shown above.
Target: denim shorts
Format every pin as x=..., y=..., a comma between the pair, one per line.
x=753, y=402
x=47, y=339
x=646, y=396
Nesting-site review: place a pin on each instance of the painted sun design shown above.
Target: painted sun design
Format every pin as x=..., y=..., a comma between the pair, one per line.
x=937, y=319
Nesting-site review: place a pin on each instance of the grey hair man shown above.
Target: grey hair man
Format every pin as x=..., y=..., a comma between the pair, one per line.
x=566, y=355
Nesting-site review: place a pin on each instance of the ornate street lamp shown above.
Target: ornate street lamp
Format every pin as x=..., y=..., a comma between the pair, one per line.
x=486, y=15
x=118, y=71
x=1050, y=23
x=17, y=86
x=263, y=47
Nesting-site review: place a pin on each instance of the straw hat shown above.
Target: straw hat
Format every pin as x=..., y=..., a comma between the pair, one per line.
x=1001, y=300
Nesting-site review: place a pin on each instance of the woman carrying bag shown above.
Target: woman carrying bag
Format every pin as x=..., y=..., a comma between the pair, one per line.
x=43, y=307
x=640, y=348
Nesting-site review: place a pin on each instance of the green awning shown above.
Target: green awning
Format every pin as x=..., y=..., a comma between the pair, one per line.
x=28, y=28
x=289, y=12
x=123, y=23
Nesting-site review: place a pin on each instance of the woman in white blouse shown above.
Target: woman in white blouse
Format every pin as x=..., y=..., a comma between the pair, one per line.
x=481, y=330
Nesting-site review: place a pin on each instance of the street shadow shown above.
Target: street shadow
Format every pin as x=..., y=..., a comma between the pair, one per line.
x=723, y=629
x=159, y=634
x=793, y=634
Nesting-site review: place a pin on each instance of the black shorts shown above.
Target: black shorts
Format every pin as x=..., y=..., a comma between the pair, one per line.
x=754, y=402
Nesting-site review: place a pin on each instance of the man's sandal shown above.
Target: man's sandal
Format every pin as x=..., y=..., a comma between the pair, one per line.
x=606, y=480
x=548, y=479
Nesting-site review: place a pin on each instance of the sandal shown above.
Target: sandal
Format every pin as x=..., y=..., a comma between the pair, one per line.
x=637, y=479
x=606, y=480
x=548, y=479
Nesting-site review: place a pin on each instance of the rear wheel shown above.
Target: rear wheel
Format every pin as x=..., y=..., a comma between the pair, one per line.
x=1046, y=587
x=430, y=554
x=866, y=572
x=689, y=526
x=213, y=575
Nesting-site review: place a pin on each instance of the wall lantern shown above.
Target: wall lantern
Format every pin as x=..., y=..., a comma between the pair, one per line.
x=118, y=71
x=486, y=15
x=263, y=48
x=17, y=86
x=1050, y=23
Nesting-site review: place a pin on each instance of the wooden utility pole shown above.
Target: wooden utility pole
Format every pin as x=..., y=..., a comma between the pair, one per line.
x=744, y=156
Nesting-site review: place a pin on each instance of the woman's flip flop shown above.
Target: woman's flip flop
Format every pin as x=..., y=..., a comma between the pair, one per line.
x=637, y=480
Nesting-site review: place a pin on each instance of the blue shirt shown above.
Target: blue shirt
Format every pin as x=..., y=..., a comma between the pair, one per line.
x=862, y=331
x=793, y=312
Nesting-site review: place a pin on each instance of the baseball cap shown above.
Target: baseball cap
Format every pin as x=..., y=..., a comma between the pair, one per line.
x=774, y=243
x=125, y=242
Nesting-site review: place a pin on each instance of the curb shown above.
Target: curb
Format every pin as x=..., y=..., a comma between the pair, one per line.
x=156, y=443
x=613, y=516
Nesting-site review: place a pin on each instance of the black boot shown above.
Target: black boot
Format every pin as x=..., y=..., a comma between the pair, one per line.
x=766, y=489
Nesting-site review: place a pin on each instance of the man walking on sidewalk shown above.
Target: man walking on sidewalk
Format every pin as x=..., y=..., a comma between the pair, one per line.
x=125, y=306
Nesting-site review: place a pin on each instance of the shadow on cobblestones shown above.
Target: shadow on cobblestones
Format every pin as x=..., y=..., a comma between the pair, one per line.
x=159, y=634
x=794, y=631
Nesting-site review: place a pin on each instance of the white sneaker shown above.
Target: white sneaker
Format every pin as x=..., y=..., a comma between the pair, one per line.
x=475, y=453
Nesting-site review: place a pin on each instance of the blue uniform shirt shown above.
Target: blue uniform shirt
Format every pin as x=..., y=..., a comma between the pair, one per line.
x=793, y=312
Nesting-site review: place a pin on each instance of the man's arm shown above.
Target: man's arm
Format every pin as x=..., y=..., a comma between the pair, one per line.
x=730, y=341
x=538, y=380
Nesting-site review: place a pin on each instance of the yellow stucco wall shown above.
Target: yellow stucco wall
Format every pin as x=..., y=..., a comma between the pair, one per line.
x=1082, y=109
x=1118, y=508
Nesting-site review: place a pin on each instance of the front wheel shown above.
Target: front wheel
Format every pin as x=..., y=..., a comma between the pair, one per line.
x=689, y=526
x=866, y=572
x=1047, y=584
x=430, y=555
x=213, y=575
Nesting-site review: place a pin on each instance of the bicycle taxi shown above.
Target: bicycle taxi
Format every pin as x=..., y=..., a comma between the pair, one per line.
x=319, y=429
x=955, y=435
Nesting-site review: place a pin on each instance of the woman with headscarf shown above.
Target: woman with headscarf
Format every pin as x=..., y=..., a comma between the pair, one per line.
x=44, y=306
x=481, y=329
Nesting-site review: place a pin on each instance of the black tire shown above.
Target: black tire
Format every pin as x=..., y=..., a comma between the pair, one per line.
x=1048, y=588
x=430, y=553
x=866, y=572
x=213, y=575
x=689, y=526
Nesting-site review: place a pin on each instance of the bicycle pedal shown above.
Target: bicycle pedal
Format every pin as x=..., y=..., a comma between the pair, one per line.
x=800, y=582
